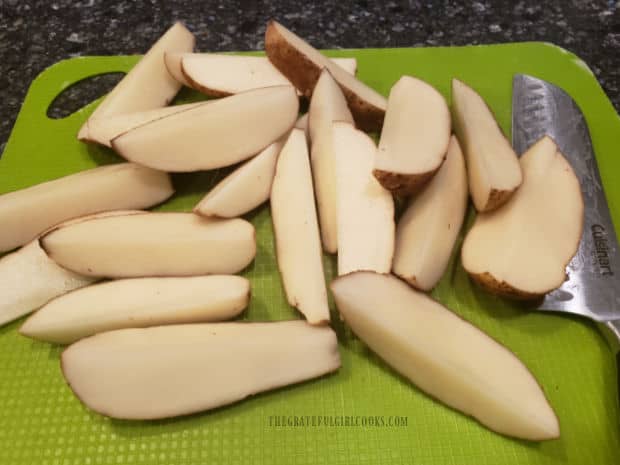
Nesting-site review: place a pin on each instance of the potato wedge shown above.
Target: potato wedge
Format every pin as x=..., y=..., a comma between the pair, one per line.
x=522, y=249
x=152, y=244
x=138, y=303
x=245, y=188
x=176, y=370
x=148, y=85
x=296, y=231
x=103, y=130
x=493, y=168
x=428, y=229
x=415, y=136
x=445, y=356
x=172, y=60
x=302, y=65
x=221, y=75
x=365, y=210
x=327, y=105
x=26, y=213
x=214, y=134
x=29, y=278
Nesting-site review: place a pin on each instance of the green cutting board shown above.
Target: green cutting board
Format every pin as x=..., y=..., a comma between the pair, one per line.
x=42, y=422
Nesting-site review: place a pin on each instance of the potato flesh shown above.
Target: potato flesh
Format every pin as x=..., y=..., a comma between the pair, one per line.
x=215, y=134
x=365, y=210
x=137, y=303
x=175, y=370
x=528, y=242
x=416, y=129
x=148, y=85
x=103, y=130
x=30, y=279
x=217, y=75
x=153, y=244
x=26, y=213
x=296, y=230
x=327, y=105
x=491, y=162
x=444, y=355
x=428, y=229
x=173, y=62
x=245, y=188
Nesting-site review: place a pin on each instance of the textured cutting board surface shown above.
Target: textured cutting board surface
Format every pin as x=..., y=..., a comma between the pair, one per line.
x=42, y=422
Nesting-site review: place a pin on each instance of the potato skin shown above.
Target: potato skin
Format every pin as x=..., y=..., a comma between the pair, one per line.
x=304, y=74
x=501, y=288
x=497, y=198
x=403, y=184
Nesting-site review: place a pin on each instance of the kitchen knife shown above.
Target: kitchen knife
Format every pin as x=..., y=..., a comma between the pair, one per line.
x=593, y=287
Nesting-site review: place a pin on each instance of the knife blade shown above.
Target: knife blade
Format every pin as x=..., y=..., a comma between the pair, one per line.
x=592, y=288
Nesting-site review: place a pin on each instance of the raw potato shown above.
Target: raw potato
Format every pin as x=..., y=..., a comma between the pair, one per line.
x=302, y=64
x=492, y=165
x=327, y=105
x=103, y=130
x=30, y=279
x=245, y=188
x=152, y=244
x=214, y=134
x=302, y=123
x=415, y=136
x=176, y=370
x=148, y=85
x=26, y=213
x=221, y=75
x=365, y=210
x=172, y=60
x=445, y=356
x=138, y=303
x=521, y=250
x=296, y=231
x=428, y=229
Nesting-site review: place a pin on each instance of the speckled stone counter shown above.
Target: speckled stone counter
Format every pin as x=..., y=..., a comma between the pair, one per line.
x=35, y=34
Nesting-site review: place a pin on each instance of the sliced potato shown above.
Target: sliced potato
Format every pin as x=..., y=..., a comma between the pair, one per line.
x=302, y=123
x=103, y=130
x=138, y=303
x=428, y=229
x=148, y=85
x=365, y=210
x=302, y=65
x=29, y=278
x=176, y=370
x=522, y=249
x=415, y=136
x=221, y=75
x=445, y=356
x=152, y=244
x=492, y=165
x=26, y=213
x=327, y=105
x=214, y=134
x=172, y=60
x=245, y=188
x=296, y=230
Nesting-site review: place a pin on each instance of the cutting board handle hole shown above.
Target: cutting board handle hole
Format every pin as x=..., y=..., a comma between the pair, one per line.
x=81, y=93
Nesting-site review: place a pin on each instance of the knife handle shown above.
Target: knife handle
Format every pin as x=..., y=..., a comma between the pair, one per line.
x=614, y=325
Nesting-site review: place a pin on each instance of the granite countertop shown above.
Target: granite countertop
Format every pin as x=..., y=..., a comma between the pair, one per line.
x=35, y=34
